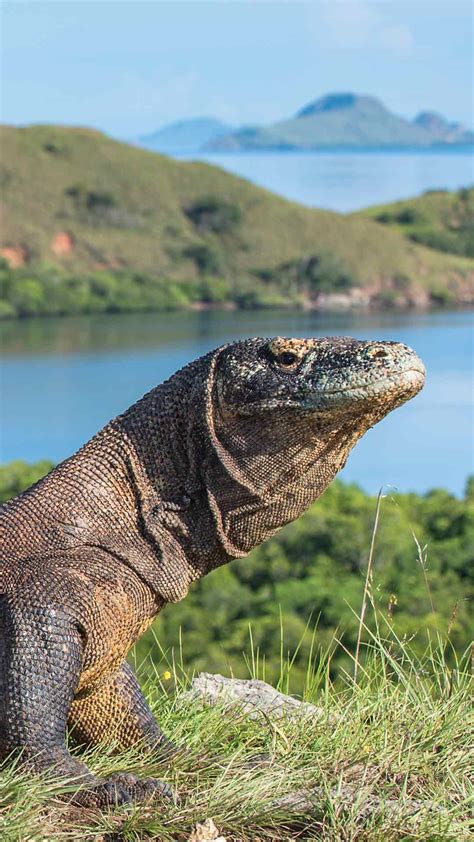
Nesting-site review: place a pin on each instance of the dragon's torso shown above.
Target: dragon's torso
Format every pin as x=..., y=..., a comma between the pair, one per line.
x=201, y=470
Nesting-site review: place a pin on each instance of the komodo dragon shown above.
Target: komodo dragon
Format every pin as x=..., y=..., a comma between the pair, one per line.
x=202, y=469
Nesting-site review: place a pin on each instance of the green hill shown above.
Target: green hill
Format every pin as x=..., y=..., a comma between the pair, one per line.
x=439, y=219
x=93, y=224
x=346, y=119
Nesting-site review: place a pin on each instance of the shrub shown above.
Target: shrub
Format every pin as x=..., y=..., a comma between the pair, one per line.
x=257, y=297
x=323, y=272
x=90, y=199
x=387, y=298
x=206, y=257
x=28, y=297
x=404, y=216
x=214, y=215
x=98, y=207
x=465, y=194
x=384, y=217
x=407, y=216
x=442, y=297
x=214, y=290
x=166, y=295
x=71, y=295
x=53, y=148
x=7, y=310
x=448, y=241
x=326, y=272
x=401, y=282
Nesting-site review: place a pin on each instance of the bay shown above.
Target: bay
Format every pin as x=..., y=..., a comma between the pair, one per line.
x=344, y=180
x=63, y=379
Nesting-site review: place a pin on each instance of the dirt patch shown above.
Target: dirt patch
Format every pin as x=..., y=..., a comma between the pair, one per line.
x=63, y=244
x=16, y=256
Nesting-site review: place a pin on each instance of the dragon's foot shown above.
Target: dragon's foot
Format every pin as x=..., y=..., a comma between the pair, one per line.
x=122, y=788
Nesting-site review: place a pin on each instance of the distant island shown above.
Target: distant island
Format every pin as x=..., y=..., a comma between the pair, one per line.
x=186, y=135
x=334, y=120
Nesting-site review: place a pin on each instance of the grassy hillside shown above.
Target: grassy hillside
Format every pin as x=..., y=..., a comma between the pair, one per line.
x=439, y=219
x=390, y=756
x=77, y=204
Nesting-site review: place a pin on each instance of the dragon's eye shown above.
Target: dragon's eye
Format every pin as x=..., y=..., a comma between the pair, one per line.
x=287, y=358
x=288, y=353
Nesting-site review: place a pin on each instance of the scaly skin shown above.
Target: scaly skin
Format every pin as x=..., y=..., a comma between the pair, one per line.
x=201, y=470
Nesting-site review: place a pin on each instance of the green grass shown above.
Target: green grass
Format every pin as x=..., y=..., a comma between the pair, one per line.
x=388, y=760
x=130, y=212
x=440, y=219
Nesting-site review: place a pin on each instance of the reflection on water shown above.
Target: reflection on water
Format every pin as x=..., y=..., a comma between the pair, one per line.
x=62, y=379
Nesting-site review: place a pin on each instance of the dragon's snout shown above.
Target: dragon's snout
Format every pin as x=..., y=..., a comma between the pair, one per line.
x=356, y=372
x=399, y=363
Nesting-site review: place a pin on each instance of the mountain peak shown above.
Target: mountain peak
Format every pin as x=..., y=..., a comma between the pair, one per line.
x=338, y=102
x=431, y=120
x=440, y=128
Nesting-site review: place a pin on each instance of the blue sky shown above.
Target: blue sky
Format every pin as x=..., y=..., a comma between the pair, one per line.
x=129, y=67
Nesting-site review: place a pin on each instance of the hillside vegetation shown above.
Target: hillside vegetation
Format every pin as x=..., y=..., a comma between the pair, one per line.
x=91, y=224
x=389, y=755
x=440, y=219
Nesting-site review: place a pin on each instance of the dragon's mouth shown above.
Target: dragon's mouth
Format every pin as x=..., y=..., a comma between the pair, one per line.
x=415, y=376
x=405, y=383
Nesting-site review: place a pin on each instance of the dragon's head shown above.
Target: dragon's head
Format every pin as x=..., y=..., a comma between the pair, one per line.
x=283, y=415
x=334, y=378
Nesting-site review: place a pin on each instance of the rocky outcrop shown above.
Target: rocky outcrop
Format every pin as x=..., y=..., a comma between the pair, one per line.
x=251, y=696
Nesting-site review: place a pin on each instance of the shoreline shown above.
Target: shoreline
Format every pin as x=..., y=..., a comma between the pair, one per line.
x=331, y=303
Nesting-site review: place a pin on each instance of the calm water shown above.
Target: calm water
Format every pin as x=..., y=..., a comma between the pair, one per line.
x=347, y=181
x=62, y=379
